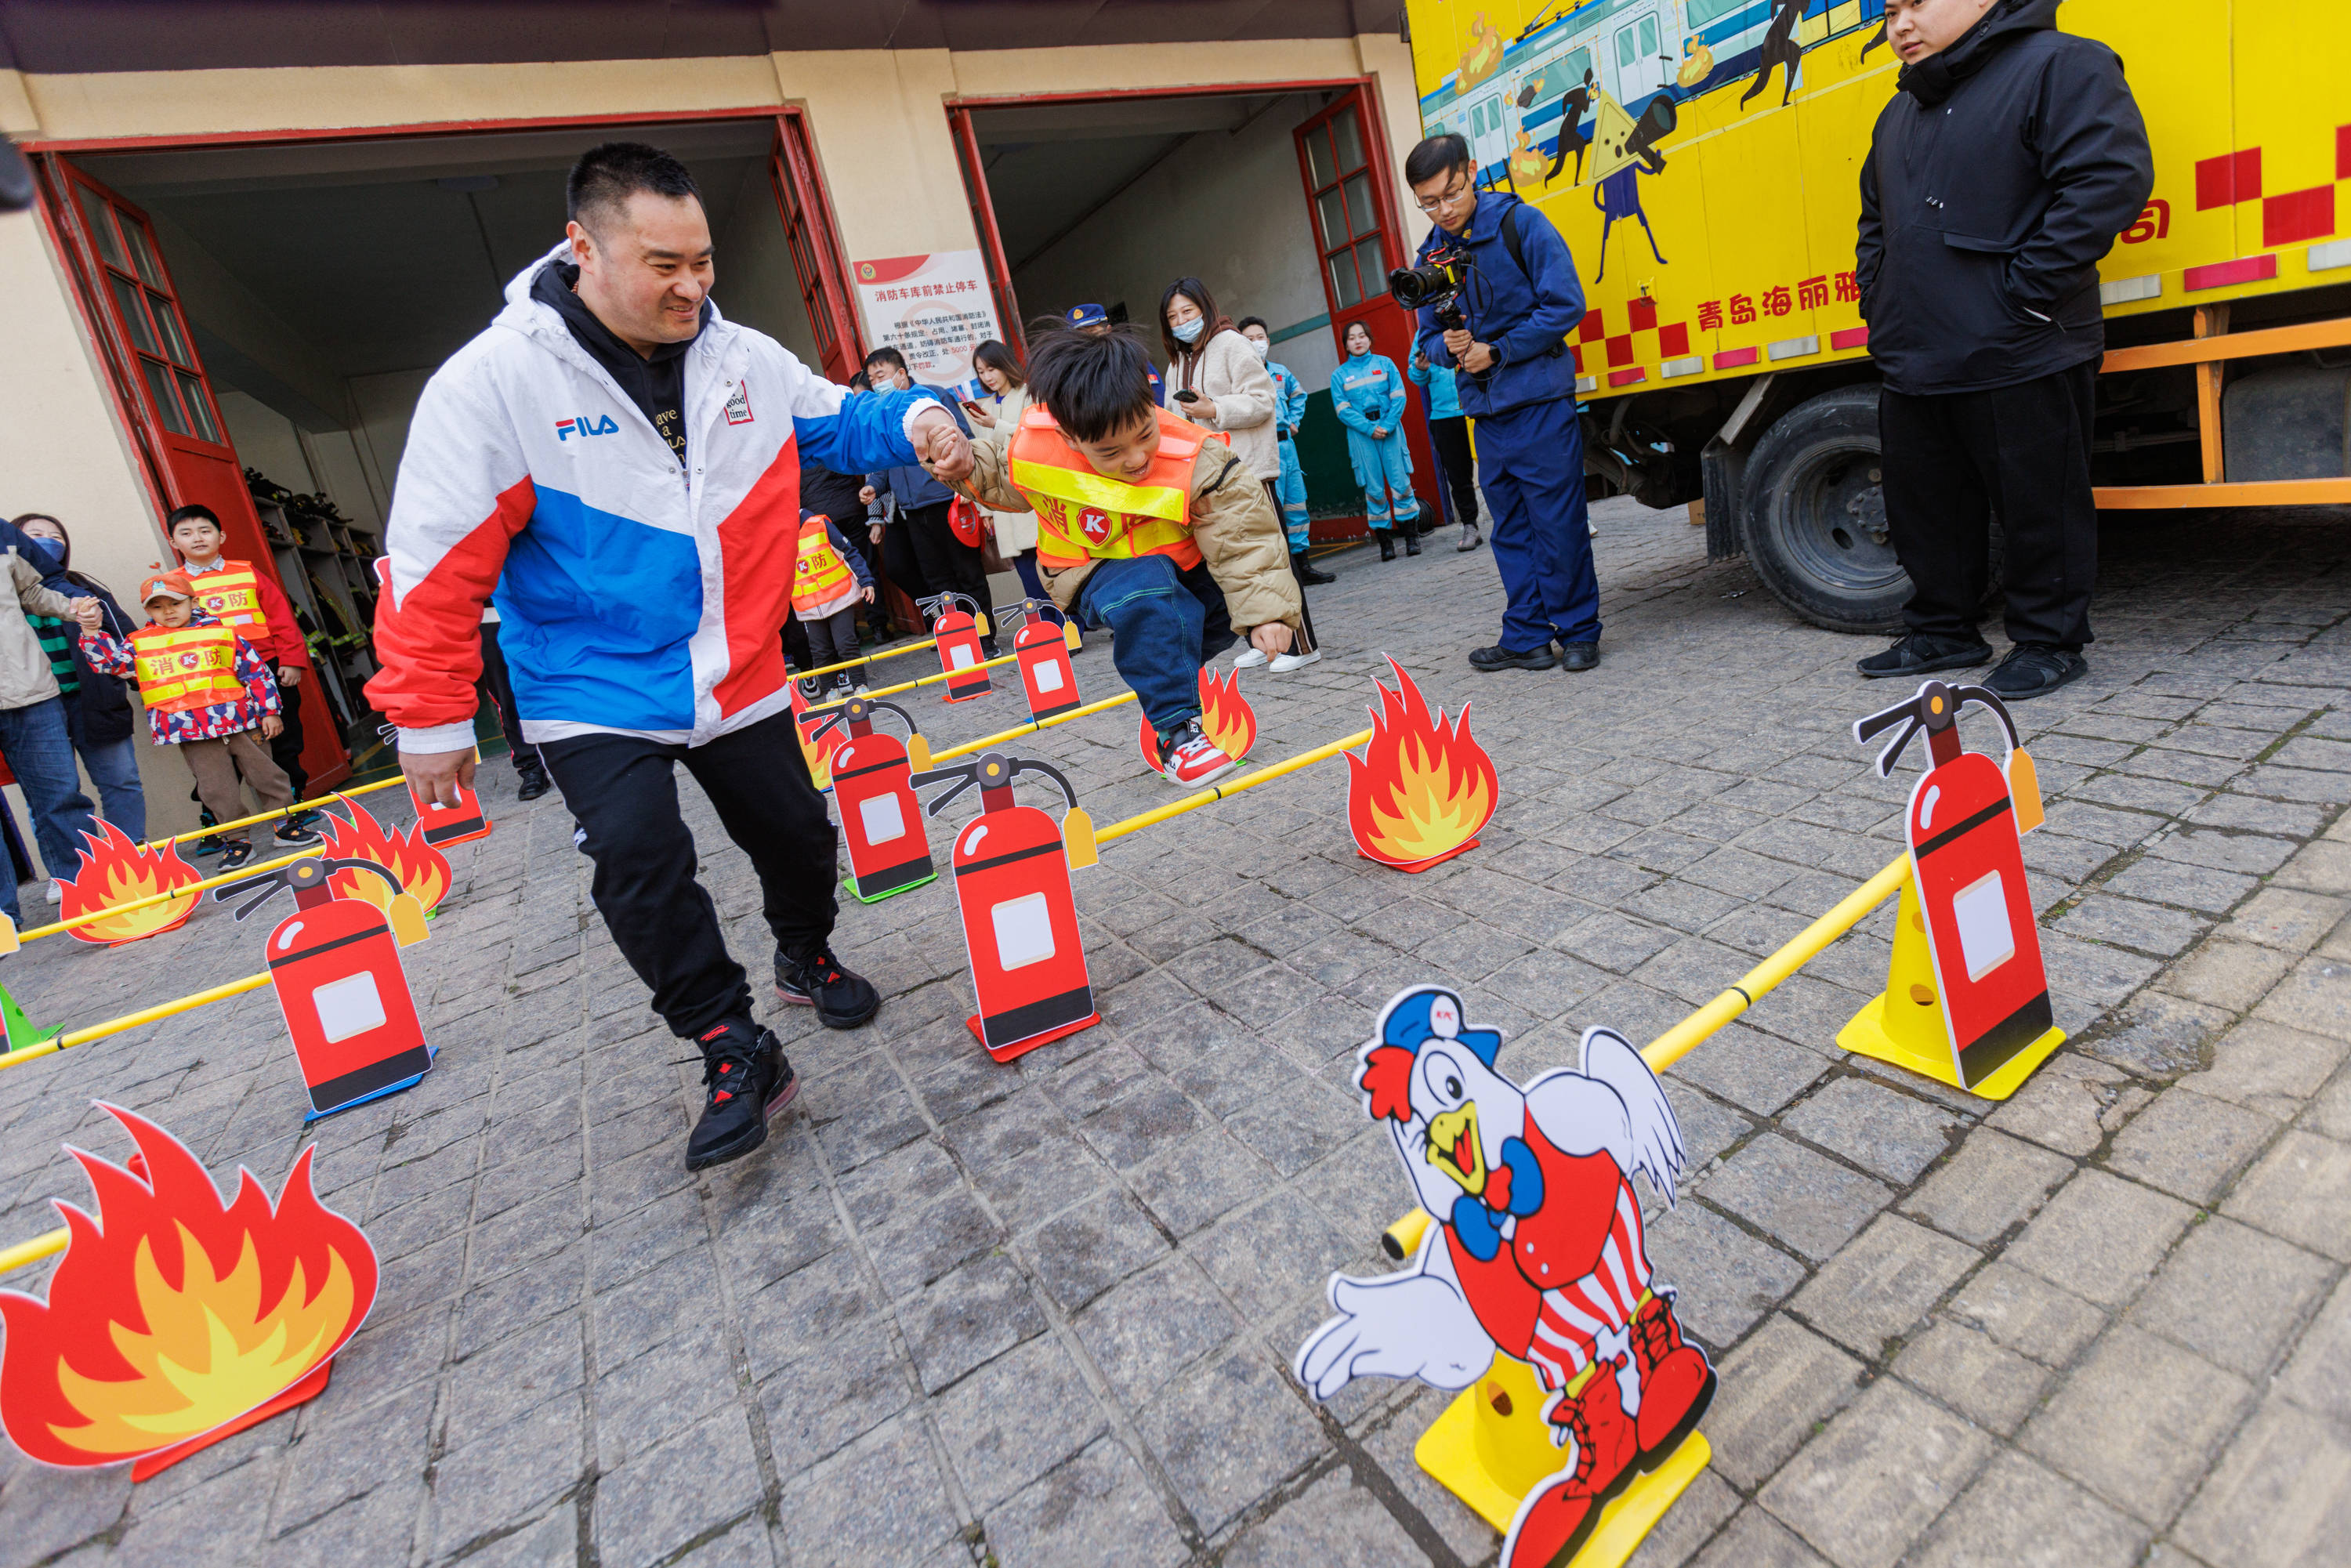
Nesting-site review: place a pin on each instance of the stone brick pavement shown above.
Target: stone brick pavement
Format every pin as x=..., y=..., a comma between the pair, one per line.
x=958, y=1313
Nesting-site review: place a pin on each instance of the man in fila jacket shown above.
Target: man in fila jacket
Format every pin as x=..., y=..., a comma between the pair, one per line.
x=616, y=467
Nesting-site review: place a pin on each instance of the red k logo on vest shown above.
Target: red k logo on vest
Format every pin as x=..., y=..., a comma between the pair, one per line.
x=212, y=603
x=187, y=661
x=1094, y=523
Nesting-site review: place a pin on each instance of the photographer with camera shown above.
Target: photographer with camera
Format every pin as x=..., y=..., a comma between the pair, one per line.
x=1496, y=293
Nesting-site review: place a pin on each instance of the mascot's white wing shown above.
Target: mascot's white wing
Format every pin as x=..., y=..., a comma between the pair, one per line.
x=1656, y=1137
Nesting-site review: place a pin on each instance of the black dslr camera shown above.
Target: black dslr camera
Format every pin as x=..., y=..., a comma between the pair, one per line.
x=1436, y=281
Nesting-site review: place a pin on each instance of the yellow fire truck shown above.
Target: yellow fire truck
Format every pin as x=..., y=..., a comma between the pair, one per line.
x=1702, y=158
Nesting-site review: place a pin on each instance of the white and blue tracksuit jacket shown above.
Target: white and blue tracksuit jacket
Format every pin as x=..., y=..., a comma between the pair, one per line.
x=634, y=596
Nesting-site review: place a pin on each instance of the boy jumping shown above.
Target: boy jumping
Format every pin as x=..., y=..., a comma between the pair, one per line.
x=1146, y=524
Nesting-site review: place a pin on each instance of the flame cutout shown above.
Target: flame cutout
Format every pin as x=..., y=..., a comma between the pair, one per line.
x=1422, y=790
x=114, y=871
x=169, y=1316
x=1226, y=719
x=817, y=753
x=423, y=869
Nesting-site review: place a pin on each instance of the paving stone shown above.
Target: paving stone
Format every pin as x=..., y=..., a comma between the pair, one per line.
x=508, y=1475
x=2189, y=1144
x=2026, y=1313
x=2318, y=1378
x=2129, y=922
x=1772, y=1394
x=1696, y=1515
x=2137, y=1422
x=1865, y=1490
x=1753, y=1539
x=2019, y=1514
x=2286, y=918
x=878, y=1500
x=1268, y=1258
x=1727, y=1278
x=2280, y=1496
x=1883, y=1132
x=1085, y=1251
x=2231, y=974
x=1754, y=1070
x=1146, y=1329
x=1990, y=1184
x=2268, y=1068
x=1333, y=1521
x=2315, y=999
x=2231, y=1294
x=2100, y=1237
x=1015, y=1418
x=1228, y=1432
x=2323, y=867
x=1882, y=1283
x=820, y=1402
x=2300, y=1190
x=1097, y=1507
x=2200, y=888
x=974, y=1315
x=2067, y=1103
x=664, y=1498
x=1810, y=1203
x=1994, y=1388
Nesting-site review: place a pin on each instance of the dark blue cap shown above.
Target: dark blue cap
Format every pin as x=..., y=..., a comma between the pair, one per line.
x=1089, y=316
x=1433, y=1012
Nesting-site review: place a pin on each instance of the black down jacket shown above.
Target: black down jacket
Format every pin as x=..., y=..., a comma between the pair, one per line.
x=1998, y=173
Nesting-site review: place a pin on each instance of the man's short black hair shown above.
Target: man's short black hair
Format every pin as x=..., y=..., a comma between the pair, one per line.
x=1246, y=323
x=1435, y=155
x=887, y=355
x=1094, y=383
x=609, y=173
x=196, y=511
x=860, y=381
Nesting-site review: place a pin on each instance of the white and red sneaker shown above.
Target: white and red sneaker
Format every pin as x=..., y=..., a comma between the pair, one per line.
x=1194, y=760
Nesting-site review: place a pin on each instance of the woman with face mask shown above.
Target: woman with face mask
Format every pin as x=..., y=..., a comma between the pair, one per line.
x=1216, y=378
x=1369, y=396
x=99, y=720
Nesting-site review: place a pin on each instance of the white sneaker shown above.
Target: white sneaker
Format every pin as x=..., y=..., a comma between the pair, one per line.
x=57, y=890
x=1285, y=662
x=1250, y=658
x=1195, y=761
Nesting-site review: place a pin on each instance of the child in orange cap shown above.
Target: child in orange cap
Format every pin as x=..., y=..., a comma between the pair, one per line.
x=207, y=693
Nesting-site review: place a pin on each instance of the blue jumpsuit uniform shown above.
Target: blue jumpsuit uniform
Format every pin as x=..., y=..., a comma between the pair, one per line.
x=1289, y=408
x=1530, y=443
x=1368, y=393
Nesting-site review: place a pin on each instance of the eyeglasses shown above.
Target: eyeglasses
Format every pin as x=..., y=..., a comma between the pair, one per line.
x=1446, y=200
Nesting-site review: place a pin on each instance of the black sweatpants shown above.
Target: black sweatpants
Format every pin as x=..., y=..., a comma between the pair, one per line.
x=1954, y=459
x=498, y=686
x=948, y=564
x=623, y=790
x=831, y=638
x=1451, y=439
x=286, y=746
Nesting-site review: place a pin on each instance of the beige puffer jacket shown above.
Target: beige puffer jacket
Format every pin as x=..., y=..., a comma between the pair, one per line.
x=1015, y=531
x=1237, y=397
x=25, y=677
x=1239, y=534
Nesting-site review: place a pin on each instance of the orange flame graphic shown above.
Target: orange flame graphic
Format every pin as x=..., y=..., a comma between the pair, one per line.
x=1422, y=790
x=114, y=871
x=169, y=1316
x=1226, y=719
x=421, y=869
x=818, y=753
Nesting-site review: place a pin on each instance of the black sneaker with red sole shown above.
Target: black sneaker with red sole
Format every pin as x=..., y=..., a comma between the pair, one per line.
x=841, y=999
x=749, y=1081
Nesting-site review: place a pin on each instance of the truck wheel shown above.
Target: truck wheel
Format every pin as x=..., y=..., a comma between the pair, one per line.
x=1817, y=515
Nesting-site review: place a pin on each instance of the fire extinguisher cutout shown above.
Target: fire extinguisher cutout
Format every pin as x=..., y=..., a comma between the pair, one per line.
x=445, y=825
x=888, y=849
x=1020, y=918
x=335, y=965
x=1980, y=994
x=1047, y=679
x=958, y=633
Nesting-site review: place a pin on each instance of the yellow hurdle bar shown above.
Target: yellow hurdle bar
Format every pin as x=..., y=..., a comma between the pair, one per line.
x=924, y=681
x=1124, y=826
x=132, y=1020
x=46, y=1244
x=866, y=659
x=297, y=807
x=985, y=741
x=111, y=910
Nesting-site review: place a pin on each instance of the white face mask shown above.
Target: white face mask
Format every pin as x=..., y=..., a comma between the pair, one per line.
x=1189, y=331
x=1259, y=346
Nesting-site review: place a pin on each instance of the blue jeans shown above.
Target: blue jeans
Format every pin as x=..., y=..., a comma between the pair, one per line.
x=1530, y=463
x=1163, y=625
x=113, y=767
x=35, y=744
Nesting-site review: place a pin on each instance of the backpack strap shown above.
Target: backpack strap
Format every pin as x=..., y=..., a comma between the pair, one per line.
x=1512, y=242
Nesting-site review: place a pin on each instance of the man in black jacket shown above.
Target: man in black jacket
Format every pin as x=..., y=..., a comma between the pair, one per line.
x=2008, y=160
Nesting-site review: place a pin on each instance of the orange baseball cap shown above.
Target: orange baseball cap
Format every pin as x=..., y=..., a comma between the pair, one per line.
x=166, y=585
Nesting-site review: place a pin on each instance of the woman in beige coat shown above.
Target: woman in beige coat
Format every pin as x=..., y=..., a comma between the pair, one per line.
x=998, y=413
x=1215, y=379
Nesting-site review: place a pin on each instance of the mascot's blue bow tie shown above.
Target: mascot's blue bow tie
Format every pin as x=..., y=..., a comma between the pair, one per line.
x=1518, y=1181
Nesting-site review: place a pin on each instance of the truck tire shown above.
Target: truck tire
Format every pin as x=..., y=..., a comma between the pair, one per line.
x=1815, y=524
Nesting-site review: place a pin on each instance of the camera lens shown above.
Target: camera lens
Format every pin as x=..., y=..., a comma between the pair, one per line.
x=1412, y=286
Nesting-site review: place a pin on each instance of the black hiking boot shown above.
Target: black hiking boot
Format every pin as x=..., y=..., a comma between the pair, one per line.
x=749, y=1081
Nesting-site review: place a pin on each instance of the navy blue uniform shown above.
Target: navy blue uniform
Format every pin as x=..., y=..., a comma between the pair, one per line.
x=1530, y=445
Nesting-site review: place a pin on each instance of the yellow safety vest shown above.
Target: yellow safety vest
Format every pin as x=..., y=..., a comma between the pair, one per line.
x=232, y=594
x=821, y=582
x=1084, y=515
x=186, y=667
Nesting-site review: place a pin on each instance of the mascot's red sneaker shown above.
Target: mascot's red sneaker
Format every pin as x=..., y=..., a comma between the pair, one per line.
x=1560, y=1512
x=1676, y=1382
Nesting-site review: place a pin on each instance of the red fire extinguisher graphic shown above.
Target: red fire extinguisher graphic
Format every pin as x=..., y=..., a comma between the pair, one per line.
x=444, y=825
x=335, y=963
x=880, y=818
x=1047, y=678
x=1963, y=827
x=959, y=632
x=1019, y=921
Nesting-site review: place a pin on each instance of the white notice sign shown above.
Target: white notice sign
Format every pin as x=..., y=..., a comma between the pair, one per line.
x=934, y=310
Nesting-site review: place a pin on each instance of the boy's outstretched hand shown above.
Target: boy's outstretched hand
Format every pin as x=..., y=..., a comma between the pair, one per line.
x=945, y=451
x=437, y=776
x=87, y=612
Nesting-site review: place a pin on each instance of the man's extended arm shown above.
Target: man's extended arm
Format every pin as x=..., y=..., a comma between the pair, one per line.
x=2093, y=153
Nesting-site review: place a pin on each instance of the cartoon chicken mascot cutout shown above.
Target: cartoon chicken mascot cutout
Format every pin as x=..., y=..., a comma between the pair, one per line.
x=1538, y=1254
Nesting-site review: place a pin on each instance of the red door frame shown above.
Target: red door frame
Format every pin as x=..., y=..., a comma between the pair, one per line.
x=983, y=223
